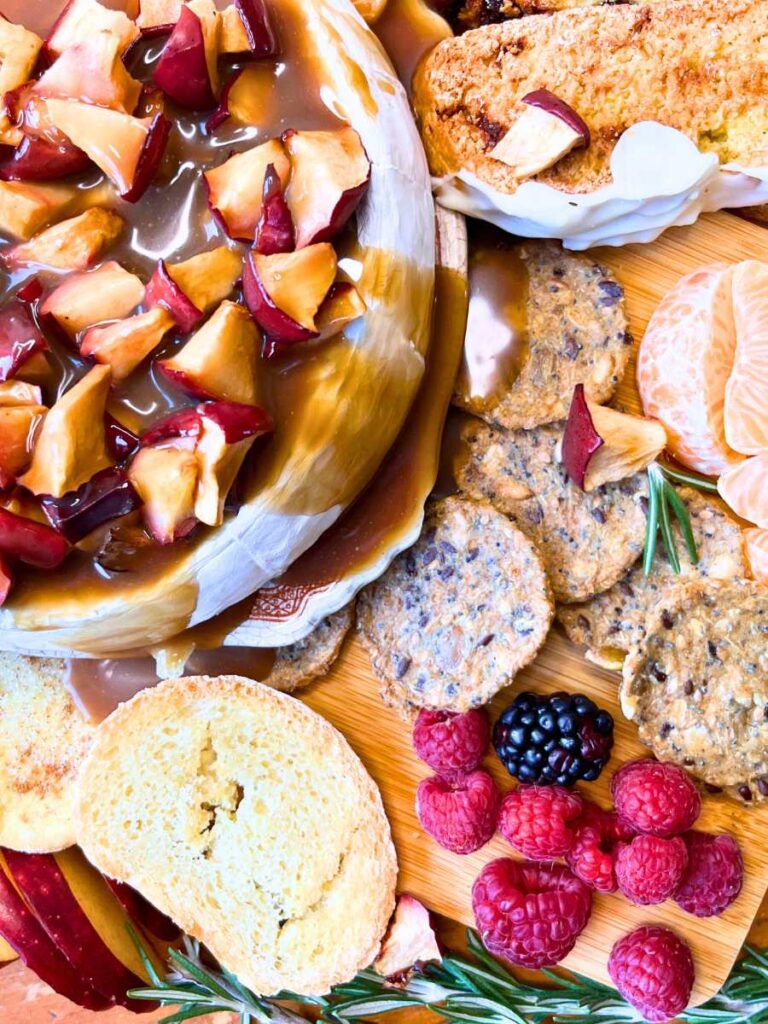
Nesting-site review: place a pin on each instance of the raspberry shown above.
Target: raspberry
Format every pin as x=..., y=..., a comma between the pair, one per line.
x=592, y=857
x=713, y=878
x=653, y=970
x=534, y=819
x=460, y=814
x=530, y=914
x=450, y=742
x=659, y=799
x=649, y=869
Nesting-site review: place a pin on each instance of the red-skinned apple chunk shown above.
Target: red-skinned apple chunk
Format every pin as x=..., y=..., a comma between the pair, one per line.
x=19, y=50
x=92, y=296
x=221, y=360
x=30, y=541
x=72, y=447
x=249, y=96
x=127, y=149
x=342, y=306
x=92, y=72
x=190, y=289
x=81, y=18
x=329, y=176
x=72, y=244
x=228, y=431
x=38, y=159
x=235, y=187
x=284, y=291
x=166, y=479
x=158, y=16
x=275, y=231
x=187, y=69
x=19, y=426
x=20, y=338
x=545, y=131
x=25, y=207
x=124, y=344
x=246, y=28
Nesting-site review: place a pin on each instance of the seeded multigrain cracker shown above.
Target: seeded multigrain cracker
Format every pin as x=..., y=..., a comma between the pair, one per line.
x=696, y=684
x=301, y=663
x=456, y=616
x=613, y=620
x=586, y=541
x=576, y=333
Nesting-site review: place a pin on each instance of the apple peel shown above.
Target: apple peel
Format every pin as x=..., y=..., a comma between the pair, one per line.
x=546, y=131
x=410, y=940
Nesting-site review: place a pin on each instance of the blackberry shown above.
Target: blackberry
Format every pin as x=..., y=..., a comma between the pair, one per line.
x=556, y=739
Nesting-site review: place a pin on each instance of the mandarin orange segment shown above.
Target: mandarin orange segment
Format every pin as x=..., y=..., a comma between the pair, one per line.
x=744, y=488
x=746, y=394
x=756, y=544
x=684, y=361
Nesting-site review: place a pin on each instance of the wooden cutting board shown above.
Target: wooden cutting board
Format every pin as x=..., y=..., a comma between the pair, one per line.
x=349, y=699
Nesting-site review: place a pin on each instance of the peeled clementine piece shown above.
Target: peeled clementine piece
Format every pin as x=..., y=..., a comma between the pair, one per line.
x=684, y=361
x=746, y=394
x=744, y=488
x=756, y=544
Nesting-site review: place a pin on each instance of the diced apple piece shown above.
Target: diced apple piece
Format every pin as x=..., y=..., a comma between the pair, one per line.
x=221, y=360
x=73, y=244
x=126, y=343
x=166, y=479
x=275, y=231
x=26, y=208
x=72, y=447
x=187, y=69
x=285, y=291
x=20, y=338
x=546, y=130
x=122, y=443
x=329, y=176
x=127, y=149
x=343, y=304
x=250, y=96
x=19, y=426
x=191, y=288
x=235, y=187
x=602, y=445
x=37, y=159
x=410, y=939
x=158, y=16
x=93, y=296
x=19, y=392
x=33, y=543
x=106, y=496
x=92, y=72
x=227, y=434
x=246, y=28
x=181, y=429
x=30, y=291
x=81, y=18
x=19, y=50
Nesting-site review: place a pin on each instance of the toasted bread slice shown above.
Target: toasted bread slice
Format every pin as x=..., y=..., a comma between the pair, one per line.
x=694, y=65
x=247, y=818
x=43, y=740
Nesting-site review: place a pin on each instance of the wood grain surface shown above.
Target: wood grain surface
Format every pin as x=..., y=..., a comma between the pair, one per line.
x=349, y=699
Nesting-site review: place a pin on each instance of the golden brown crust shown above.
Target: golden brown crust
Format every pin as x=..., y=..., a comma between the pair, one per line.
x=694, y=65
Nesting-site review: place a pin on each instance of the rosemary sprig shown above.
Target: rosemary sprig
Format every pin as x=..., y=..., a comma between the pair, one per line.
x=664, y=504
x=462, y=989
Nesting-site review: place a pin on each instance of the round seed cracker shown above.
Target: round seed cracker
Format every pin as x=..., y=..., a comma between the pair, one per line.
x=459, y=614
x=300, y=664
x=587, y=541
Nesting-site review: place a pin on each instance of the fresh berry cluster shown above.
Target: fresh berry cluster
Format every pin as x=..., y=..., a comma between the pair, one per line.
x=554, y=740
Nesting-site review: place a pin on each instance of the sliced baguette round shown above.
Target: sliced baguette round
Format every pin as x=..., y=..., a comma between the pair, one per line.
x=248, y=819
x=43, y=740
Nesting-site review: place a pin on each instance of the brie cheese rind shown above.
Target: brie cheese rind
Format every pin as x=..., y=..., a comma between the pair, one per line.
x=356, y=390
x=660, y=180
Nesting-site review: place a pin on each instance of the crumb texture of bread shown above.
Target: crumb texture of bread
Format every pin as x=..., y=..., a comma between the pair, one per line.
x=247, y=818
x=43, y=740
x=694, y=65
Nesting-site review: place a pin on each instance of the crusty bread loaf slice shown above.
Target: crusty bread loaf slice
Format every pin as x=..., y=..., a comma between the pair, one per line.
x=43, y=740
x=248, y=819
x=700, y=66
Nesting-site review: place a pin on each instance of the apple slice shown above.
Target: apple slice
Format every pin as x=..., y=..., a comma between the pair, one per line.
x=90, y=297
x=330, y=173
x=166, y=479
x=187, y=70
x=410, y=939
x=71, y=447
x=19, y=50
x=221, y=360
x=546, y=130
x=140, y=910
x=228, y=432
x=20, y=338
x=601, y=445
x=80, y=19
x=341, y=307
x=191, y=288
x=37, y=159
x=124, y=344
x=249, y=96
x=285, y=291
x=31, y=542
x=156, y=17
x=26, y=208
x=19, y=427
x=107, y=495
x=24, y=933
x=246, y=28
x=180, y=429
x=127, y=149
x=274, y=231
x=73, y=244
x=93, y=72
x=235, y=187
